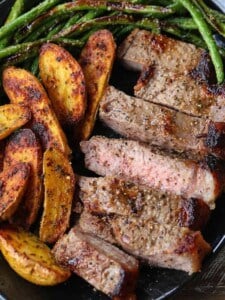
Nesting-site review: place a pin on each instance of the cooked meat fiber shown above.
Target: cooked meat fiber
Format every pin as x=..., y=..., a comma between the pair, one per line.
x=160, y=126
x=142, y=48
x=103, y=265
x=169, y=72
x=175, y=90
x=160, y=245
x=96, y=225
x=138, y=163
x=107, y=196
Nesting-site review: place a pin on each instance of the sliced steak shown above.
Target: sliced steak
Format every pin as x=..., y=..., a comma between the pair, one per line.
x=142, y=48
x=140, y=120
x=140, y=164
x=103, y=265
x=96, y=225
x=157, y=244
x=161, y=245
x=106, y=196
x=175, y=90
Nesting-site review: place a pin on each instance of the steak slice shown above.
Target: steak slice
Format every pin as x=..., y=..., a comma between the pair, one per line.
x=175, y=90
x=140, y=120
x=142, y=48
x=96, y=225
x=140, y=164
x=157, y=244
x=106, y=196
x=103, y=265
x=161, y=245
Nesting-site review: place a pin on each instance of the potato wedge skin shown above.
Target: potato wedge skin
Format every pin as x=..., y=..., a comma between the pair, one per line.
x=12, y=117
x=96, y=60
x=30, y=258
x=59, y=182
x=23, y=146
x=13, y=184
x=64, y=81
x=23, y=88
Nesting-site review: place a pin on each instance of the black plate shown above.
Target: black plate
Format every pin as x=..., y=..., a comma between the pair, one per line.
x=154, y=283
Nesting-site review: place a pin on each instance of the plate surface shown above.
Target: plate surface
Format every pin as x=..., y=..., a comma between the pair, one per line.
x=154, y=283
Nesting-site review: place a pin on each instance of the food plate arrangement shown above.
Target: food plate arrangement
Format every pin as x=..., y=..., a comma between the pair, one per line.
x=153, y=283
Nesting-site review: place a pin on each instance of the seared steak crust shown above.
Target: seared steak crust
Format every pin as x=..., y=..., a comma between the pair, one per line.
x=103, y=265
x=143, y=165
x=160, y=245
x=107, y=196
x=140, y=120
x=142, y=48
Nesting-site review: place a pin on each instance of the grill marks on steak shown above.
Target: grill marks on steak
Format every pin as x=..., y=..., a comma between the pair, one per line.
x=106, y=196
x=160, y=126
x=143, y=48
x=103, y=265
x=162, y=245
x=138, y=163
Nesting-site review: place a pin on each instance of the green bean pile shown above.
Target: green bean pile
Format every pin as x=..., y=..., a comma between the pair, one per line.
x=71, y=23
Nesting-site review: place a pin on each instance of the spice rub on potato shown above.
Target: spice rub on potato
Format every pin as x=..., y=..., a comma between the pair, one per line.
x=13, y=183
x=30, y=258
x=59, y=182
x=96, y=60
x=64, y=81
x=23, y=146
x=12, y=117
x=25, y=89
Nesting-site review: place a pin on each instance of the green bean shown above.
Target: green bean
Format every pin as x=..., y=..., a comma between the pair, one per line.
x=207, y=37
x=34, y=67
x=182, y=22
x=76, y=29
x=26, y=47
x=27, y=17
x=211, y=19
x=73, y=19
x=16, y=10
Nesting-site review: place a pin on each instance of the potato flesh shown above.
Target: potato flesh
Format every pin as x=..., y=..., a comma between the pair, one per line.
x=23, y=88
x=12, y=117
x=23, y=146
x=30, y=258
x=96, y=60
x=59, y=184
x=13, y=183
x=63, y=78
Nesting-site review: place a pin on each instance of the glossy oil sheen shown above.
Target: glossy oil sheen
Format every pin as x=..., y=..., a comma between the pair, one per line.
x=154, y=283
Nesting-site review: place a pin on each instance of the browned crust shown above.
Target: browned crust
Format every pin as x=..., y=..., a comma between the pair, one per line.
x=194, y=214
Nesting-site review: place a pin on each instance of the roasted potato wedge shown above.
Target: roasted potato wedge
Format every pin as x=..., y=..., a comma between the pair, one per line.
x=63, y=78
x=96, y=60
x=12, y=117
x=13, y=184
x=23, y=88
x=23, y=146
x=59, y=185
x=30, y=258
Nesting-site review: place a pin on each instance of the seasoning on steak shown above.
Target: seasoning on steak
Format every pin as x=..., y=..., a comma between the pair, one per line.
x=106, y=196
x=103, y=265
x=143, y=165
x=96, y=225
x=159, y=245
x=143, y=48
x=140, y=120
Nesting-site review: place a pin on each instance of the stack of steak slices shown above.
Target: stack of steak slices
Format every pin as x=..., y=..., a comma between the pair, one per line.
x=160, y=182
